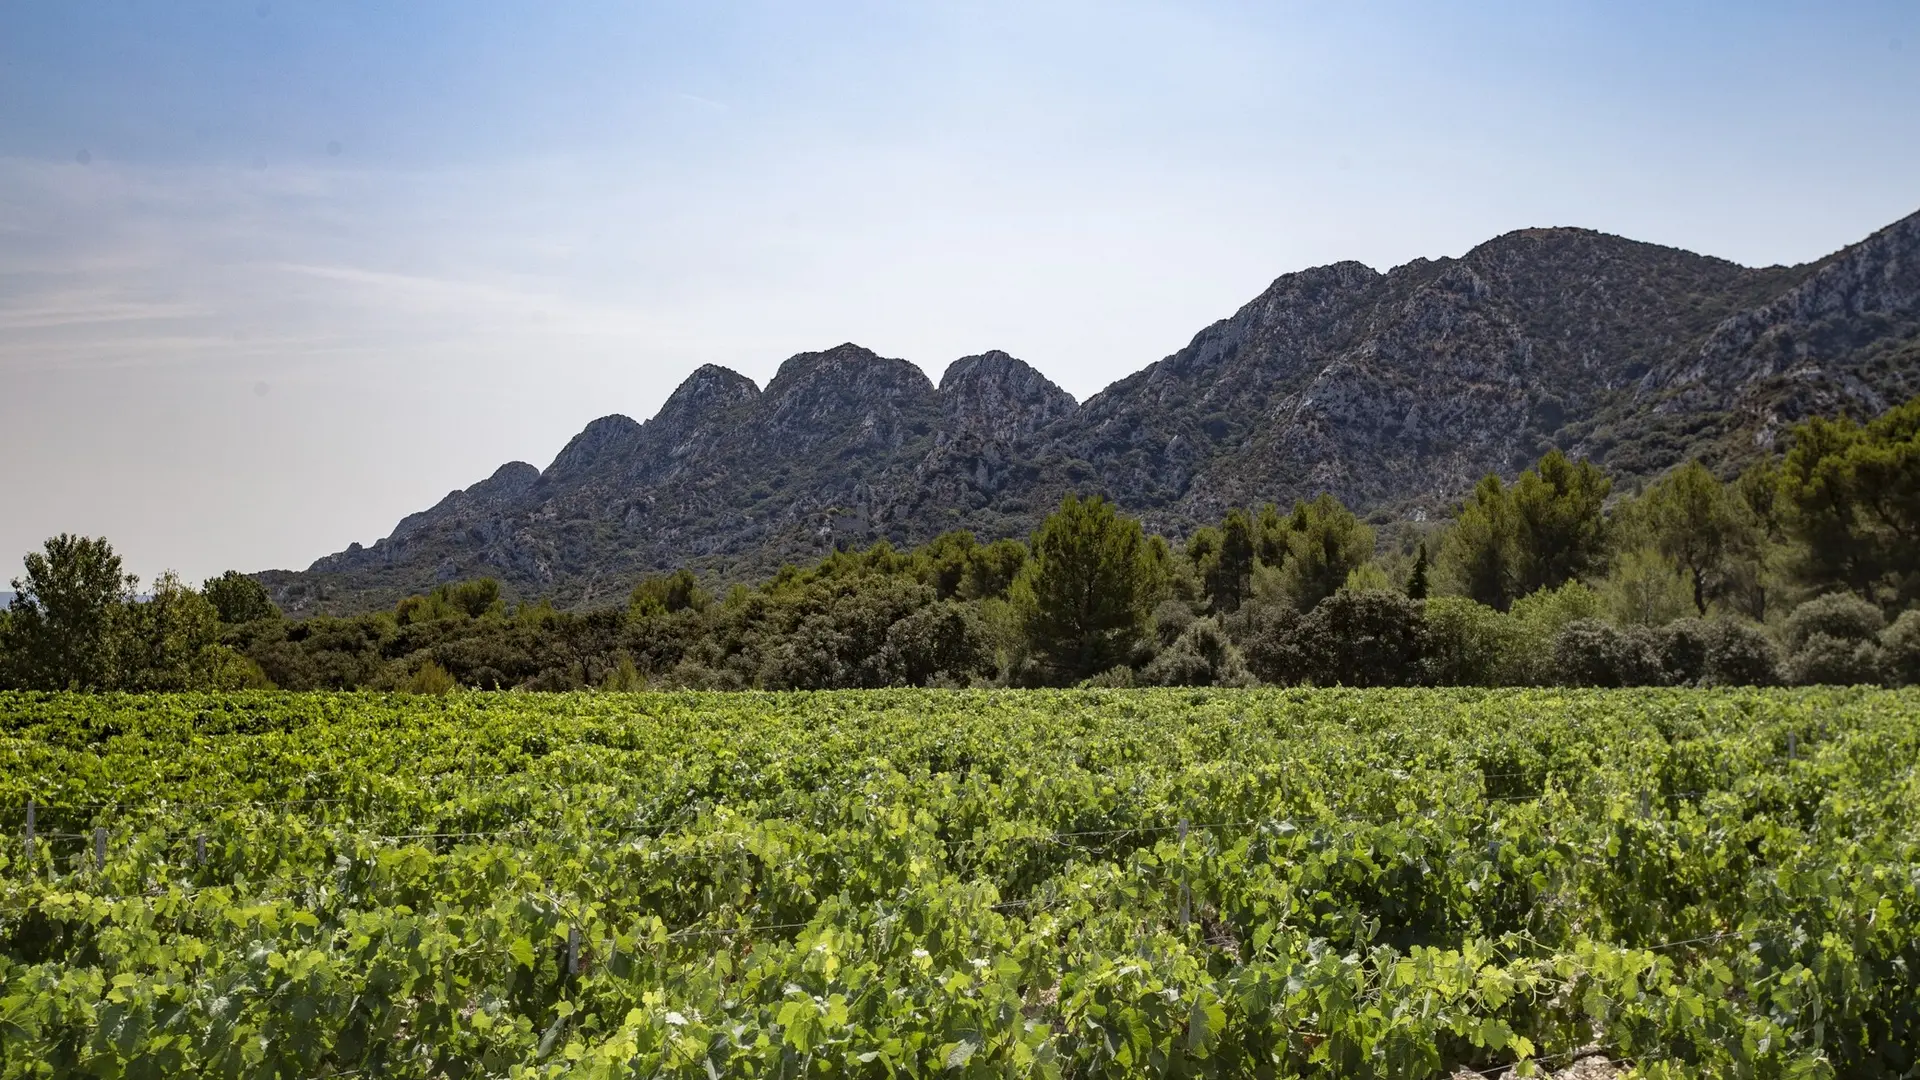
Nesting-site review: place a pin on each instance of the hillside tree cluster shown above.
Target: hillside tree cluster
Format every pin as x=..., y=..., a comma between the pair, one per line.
x=1804, y=568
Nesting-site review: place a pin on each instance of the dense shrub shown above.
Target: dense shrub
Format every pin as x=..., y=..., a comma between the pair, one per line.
x=1740, y=653
x=1901, y=645
x=1371, y=638
x=944, y=641
x=1265, y=633
x=1589, y=652
x=1202, y=656
x=1841, y=616
x=1823, y=660
x=1833, y=640
x=1171, y=619
x=1468, y=644
x=1684, y=646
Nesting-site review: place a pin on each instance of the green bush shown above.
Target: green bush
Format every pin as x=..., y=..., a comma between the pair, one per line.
x=1740, y=653
x=1265, y=632
x=1841, y=616
x=1589, y=652
x=430, y=678
x=1469, y=644
x=1684, y=646
x=1371, y=638
x=1901, y=645
x=1202, y=656
x=1823, y=660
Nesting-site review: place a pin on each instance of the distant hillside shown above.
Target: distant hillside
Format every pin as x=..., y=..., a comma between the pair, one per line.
x=1393, y=391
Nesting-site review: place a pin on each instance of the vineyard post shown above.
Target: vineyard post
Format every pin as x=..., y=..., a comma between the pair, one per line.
x=200, y=849
x=29, y=835
x=99, y=848
x=1792, y=746
x=573, y=950
x=1185, y=898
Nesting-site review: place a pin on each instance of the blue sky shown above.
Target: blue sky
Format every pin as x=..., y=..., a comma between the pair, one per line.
x=274, y=274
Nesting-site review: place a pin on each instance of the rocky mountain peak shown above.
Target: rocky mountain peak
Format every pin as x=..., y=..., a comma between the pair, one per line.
x=1394, y=392
x=997, y=397
x=848, y=369
x=847, y=395
x=608, y=438
x=1844, y=338
x=711, y=388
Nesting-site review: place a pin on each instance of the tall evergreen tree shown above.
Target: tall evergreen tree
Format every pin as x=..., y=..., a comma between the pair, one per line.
x=1325, y=543
x=1557, y=509
x=1417, y=585
x=68, y=617
x=1084, y=598
x=1231, y=573
x=1851, y=496
x=1480, y=552
x=1699, y=524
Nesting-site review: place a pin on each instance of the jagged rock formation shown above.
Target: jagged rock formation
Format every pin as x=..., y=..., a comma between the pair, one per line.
x=1394, y=391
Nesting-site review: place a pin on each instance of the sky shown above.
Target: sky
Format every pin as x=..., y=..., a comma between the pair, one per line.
x=275, y=274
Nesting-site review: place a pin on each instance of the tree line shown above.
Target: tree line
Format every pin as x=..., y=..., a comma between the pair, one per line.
x=1804, y=568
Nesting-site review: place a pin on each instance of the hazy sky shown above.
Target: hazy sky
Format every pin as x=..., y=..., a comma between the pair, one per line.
x=274, y=274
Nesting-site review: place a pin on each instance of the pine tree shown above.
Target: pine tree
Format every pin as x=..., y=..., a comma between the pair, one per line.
x=1417, y=587
x=1084, y=598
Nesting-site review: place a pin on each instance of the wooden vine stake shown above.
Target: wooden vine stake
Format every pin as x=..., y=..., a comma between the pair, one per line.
x=1186, y=899
x=99, y=848
x=29, y=835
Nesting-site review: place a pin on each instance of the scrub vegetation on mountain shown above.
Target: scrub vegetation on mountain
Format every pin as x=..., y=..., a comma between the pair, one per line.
x=1803, y=569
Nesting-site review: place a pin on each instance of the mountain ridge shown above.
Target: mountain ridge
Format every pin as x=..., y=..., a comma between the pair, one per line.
x=1393, y=390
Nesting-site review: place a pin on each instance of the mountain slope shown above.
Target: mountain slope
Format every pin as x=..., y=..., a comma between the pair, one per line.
x=1394, y=391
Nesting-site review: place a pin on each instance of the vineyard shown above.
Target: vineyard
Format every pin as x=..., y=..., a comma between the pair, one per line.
x=923, y=883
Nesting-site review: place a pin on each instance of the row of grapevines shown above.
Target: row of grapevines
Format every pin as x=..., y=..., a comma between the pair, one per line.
x=1287, y=883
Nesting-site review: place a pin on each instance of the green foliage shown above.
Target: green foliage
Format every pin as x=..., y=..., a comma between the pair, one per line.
x=68, y=620
x=1545, y=530
x=1557, y=510
x=1702, y=527
x=172, y=640
x=1646, y=587
x=1481, y=553
x=668, y=594
x=237, y=598
x=1418, y=585
x=454, y=600
x=1836, y=615
x=1589, y=652
x=626, y=677
x=945, y=642
x=1230, y=572
x=1325, y=543
x=1471, y=644
x=1740, y=653
x=1374, y=637
x=1370, y=884
x=1203, y=655
x=1368, y=577
x=431, y=678
x=1085, y=595
x=959, y=567
x=1900, y=645
x=1851, y=496
x=1831, y=661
